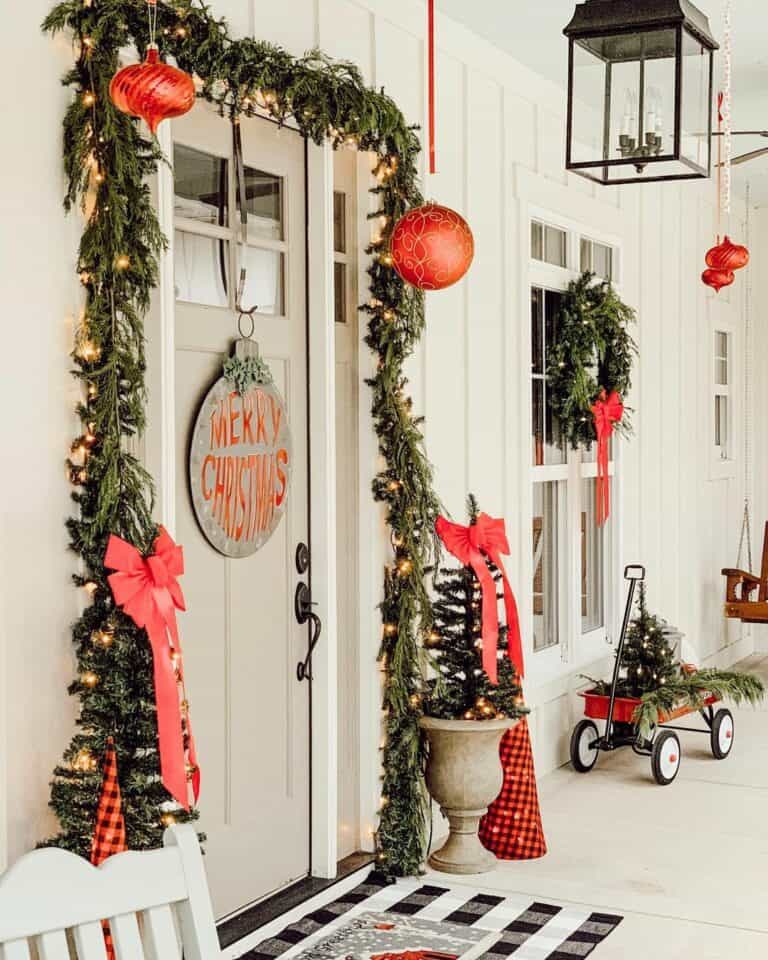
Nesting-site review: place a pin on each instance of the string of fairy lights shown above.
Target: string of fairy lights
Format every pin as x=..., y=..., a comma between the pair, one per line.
x=118, y=268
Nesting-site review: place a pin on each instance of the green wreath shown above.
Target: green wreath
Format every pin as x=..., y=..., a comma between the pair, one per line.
x=593, y=351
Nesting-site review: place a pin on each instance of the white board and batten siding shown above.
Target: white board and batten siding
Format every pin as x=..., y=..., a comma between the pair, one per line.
x=500, y=151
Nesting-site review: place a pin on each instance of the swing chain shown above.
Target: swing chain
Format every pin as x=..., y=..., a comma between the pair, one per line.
x=746, y=533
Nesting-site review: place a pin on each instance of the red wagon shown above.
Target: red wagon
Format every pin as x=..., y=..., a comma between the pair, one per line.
x=618, y=712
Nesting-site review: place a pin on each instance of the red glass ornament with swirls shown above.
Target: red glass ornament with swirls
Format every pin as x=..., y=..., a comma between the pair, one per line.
x=727, y=255
x=717, y=279
x=152, y=90
x=432, y=247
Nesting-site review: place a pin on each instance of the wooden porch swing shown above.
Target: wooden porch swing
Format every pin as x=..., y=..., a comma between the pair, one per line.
x=740, y=585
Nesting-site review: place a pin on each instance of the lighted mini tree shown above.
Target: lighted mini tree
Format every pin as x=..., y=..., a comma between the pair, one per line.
x=459, y=687
x=648, y=658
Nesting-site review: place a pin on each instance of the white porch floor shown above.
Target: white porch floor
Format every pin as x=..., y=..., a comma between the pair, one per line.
x=687, y=865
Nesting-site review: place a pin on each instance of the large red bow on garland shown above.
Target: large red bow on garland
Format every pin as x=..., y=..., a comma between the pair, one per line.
x=471, y=545
x=148, y=591
x=606, y=410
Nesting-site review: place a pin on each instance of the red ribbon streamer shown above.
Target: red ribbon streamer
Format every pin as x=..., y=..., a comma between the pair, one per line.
x=431, y=81
x=148, y=591
x=471, y=546
x=606, y=410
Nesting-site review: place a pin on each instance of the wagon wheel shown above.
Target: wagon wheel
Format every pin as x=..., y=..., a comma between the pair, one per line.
x=721, y=735
x=583, y=754
x=665, y=759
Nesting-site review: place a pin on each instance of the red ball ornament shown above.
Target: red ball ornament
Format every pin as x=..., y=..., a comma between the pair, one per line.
x=432, y=247
x=718, y=278
x=152, y=90
x=727, y=255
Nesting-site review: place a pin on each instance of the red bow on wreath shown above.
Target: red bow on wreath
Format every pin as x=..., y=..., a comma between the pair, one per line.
x=148, y=591
x=606, y=410
x=471, y=545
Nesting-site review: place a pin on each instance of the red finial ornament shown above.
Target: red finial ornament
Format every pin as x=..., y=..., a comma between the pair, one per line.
x=727, y=255
x=432, y=247
x=717, y=279
x=152, y=90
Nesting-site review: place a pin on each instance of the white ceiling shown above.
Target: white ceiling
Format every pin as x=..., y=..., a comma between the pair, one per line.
x=532, y=33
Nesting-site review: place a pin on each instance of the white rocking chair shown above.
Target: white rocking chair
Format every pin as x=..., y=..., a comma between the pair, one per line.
x=157, y=904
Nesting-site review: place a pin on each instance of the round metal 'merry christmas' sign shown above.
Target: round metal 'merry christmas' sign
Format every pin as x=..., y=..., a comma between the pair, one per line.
x=240, y=465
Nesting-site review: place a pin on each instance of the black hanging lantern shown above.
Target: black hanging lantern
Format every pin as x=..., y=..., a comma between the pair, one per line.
x=639, y=91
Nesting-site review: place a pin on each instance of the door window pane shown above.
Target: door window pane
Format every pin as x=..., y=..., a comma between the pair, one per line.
x=340, y=292
x=264, y=195
x=593, y=540
x=200, y=186
x=200, y=269
x=264, y=282
x=339, y=222
x=545, y=565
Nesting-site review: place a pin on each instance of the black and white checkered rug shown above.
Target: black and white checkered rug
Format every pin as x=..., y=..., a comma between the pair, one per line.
x=443, y=920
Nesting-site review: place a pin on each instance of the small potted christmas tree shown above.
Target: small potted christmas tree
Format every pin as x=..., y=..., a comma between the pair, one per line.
x=465, y=712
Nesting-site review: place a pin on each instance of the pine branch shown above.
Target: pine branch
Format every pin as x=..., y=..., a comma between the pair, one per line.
x=692, y=691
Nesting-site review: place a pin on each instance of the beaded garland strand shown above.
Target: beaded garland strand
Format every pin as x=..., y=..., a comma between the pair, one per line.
x=107, y=162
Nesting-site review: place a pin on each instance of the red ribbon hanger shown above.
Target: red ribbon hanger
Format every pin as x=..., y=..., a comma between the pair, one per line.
x=149, y=593
x=471, y=546
x=431, y=82
x=606, y=410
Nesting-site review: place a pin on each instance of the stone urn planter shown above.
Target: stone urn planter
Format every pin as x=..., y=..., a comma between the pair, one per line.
x=464, y=777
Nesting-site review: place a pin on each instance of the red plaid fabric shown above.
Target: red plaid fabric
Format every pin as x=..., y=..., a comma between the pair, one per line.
x=512, y=827
x=109, y=833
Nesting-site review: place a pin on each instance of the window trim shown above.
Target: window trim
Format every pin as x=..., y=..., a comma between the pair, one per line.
x=575, y=648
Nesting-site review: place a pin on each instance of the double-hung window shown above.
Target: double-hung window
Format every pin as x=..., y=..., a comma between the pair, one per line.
x=722, y=388
x=572, y=557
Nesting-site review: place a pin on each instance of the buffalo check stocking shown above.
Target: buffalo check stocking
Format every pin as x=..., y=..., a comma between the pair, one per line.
x=512, y=827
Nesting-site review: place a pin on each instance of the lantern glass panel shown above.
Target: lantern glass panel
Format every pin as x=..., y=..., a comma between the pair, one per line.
x=624, y=101
x=694, y=123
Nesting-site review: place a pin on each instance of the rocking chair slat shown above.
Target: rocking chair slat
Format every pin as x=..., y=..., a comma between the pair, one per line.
x=126, y=937
x=160, y=940
x=53, y=945
x=89, y=942
x=15, y=950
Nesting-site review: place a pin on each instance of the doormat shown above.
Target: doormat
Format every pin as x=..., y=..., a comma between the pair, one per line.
x=410, y=920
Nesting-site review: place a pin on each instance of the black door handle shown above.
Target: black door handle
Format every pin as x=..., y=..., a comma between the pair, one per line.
x=302, y=604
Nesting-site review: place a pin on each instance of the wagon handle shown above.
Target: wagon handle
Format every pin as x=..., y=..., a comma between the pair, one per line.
x=633, y=572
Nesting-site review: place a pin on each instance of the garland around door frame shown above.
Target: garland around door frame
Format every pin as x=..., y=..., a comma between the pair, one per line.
x=108, y=161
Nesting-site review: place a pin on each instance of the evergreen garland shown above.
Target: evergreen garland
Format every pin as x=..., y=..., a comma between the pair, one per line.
x=460, y=688
x=108, y=162
x=691, y=691
x=592, y=351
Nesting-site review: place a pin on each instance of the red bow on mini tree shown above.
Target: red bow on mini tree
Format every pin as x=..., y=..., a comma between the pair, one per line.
x=607, y=410
x=471, y=546
x=149, y=593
